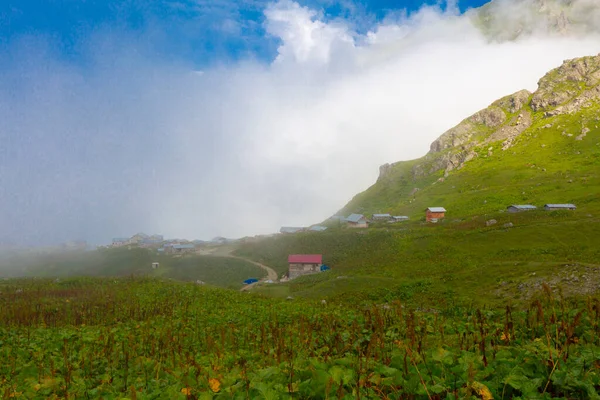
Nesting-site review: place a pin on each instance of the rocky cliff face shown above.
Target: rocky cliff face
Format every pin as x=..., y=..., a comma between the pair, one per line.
x=502, y=20
x=569, y=88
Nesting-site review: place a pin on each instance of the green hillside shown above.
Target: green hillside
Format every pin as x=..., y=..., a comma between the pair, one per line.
x=527, y=148
x=524, y=149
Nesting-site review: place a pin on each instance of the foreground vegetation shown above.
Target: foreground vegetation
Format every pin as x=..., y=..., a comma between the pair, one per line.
x=145, y=339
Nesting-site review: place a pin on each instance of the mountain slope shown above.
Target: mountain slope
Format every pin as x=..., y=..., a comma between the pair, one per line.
x=538, y=148
x=541, y=147
x=502, y=20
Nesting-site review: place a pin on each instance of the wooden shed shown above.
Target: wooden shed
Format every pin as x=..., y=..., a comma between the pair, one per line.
x=434, y=214
x=552, y=207
x=520, y=208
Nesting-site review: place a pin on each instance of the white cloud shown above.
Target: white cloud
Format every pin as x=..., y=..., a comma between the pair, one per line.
x=247, y=148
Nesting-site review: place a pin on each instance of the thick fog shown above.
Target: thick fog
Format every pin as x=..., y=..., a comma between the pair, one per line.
x=130, y=142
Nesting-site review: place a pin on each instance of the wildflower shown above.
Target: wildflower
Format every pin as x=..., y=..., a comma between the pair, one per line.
x=214, y=384
x=483, y=391
x=187, y=391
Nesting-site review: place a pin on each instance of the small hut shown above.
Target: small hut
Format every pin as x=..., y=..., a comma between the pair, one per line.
x=552, y=207
x=521, y=208
x=434, y=214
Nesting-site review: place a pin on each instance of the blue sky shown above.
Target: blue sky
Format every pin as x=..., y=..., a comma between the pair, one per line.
x=200, y=32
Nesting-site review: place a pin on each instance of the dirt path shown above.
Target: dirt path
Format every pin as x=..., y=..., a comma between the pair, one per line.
x=225, y=251
x=271, y=274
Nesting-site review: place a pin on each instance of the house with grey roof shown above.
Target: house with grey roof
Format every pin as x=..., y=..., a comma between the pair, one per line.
x=381, y=217
x=357, y=221
x=552, y=207
x=520, y=208
x=399, y=218
x=317, y=228
x=290, y=229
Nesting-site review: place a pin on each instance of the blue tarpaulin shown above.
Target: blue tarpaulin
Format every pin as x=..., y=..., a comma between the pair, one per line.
x=249, y=281
x=325, y=268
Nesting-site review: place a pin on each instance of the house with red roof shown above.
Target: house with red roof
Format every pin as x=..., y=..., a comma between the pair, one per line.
x=304, y=264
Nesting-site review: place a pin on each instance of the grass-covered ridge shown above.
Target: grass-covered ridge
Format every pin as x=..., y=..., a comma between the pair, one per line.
x=556, y=159
x=450, y=263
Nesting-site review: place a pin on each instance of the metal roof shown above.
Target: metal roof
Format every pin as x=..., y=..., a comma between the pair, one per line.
x=382, y=216
x=355, y=217
x=560, y=205
x=524, y=206
x=318, y=228
x=437, y=209
x=400, y=217
x=305, y=259
x=290, y=229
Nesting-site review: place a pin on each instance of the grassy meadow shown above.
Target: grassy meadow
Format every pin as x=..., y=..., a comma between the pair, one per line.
x=461, y=262
x=133, y=338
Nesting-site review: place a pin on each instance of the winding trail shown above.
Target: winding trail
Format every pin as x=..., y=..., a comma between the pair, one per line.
x=226, y=253
x=271, y=274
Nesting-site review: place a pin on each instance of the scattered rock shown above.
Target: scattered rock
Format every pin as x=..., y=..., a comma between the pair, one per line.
x=547, y=126
x=384, y=171
x=289, y=298
x=324, y=302
x=342, y=277
x=508, y=225
x=199, y=282
x=491, y=222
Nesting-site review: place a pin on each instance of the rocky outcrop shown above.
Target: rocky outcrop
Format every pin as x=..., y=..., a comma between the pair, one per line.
x=384, y=171
x=508, y=20
x=564, y=90
x=464, y=132
x=576, y=78
x=514, y=102
x=509, y=132
x=584, y=100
